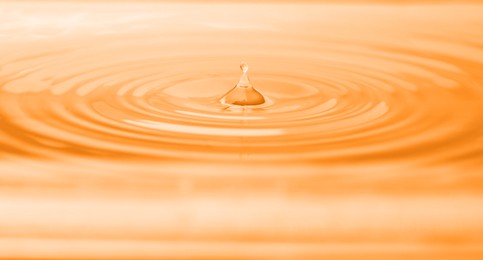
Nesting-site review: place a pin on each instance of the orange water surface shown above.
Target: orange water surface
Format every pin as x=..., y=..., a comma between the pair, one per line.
x=359, y=134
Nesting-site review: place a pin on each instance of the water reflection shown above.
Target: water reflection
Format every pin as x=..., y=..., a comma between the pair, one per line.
x=367, y=140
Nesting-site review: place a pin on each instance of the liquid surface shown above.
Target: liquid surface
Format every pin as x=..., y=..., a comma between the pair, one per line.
x=117, y=139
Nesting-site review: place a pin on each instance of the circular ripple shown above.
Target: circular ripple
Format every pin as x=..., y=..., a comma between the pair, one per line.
x=332, y=101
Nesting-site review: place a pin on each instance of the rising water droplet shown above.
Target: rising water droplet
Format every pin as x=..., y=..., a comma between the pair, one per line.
x=243, y=94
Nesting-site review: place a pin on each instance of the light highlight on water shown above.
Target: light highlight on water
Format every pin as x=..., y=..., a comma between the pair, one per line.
x=357, y=136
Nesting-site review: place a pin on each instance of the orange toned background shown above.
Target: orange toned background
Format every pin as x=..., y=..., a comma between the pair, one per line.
x=371, y=147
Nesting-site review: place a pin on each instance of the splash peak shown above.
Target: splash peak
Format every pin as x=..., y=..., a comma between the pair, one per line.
x=243, y=94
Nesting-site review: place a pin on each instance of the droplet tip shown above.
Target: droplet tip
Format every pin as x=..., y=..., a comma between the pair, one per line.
x=244, y=66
